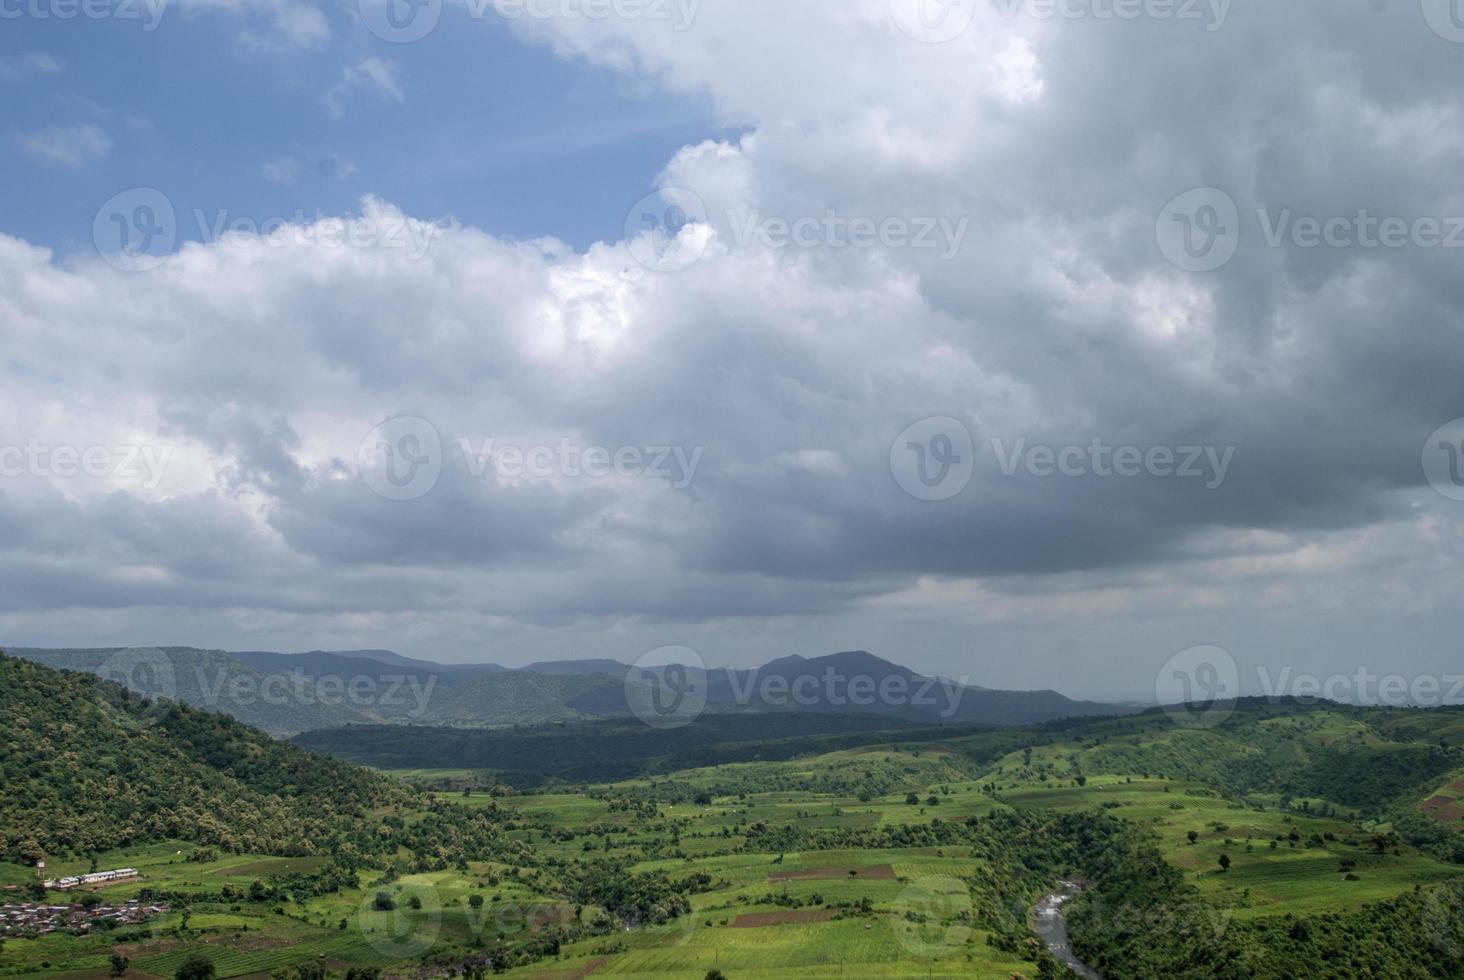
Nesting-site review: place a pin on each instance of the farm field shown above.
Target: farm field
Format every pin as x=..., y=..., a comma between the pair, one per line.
x=883, y=860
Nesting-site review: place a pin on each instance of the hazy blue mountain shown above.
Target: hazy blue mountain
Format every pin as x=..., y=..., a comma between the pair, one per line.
x=288, y=693
x=613, y=668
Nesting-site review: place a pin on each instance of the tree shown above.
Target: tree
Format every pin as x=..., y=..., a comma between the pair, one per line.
x=195, y=967
x=1193, y=836
x=1225, y=862
x=383, y=902
x=119, y=964
x=304, y=971
x=716, y=974
x=911, y=799
x=476, y=901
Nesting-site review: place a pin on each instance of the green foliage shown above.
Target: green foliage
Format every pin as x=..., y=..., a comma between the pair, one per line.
x=195, y=967
x=88, y=766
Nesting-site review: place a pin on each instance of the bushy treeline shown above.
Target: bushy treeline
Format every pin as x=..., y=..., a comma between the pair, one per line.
x=1345, y=755
x=1141, y=921
x=637, y=898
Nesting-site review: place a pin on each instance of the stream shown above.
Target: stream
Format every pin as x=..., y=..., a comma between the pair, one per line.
x=1051, y=927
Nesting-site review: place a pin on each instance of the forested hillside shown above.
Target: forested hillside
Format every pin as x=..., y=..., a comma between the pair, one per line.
x=609, y=749
x=87, y=766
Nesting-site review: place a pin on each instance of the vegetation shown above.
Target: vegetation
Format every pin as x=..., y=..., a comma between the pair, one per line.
x=1267, y=847
x=87, y=766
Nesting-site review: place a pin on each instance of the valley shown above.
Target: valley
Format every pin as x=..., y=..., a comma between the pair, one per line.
x=1289, y=840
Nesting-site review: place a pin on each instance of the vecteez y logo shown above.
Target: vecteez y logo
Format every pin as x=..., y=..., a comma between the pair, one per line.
x=1199, y=231
x=400, y=21
x=667, y=687
x=142, y=670
x=667, y=231
x=136, y=229
x=401, y=459
x=1446, y=18
x=933, y=459
x=1443, y=460
x=933, y=21
x=1198, y=687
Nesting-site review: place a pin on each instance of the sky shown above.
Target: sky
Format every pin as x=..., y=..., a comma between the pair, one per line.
x=1039, y=343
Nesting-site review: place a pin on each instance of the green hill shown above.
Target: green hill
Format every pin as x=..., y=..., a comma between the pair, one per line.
x=86, y=766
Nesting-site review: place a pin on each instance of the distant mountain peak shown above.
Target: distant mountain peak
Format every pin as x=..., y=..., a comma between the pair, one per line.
x=563, y=667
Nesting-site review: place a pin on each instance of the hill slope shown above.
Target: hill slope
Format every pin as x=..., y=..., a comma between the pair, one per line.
x=86, y=765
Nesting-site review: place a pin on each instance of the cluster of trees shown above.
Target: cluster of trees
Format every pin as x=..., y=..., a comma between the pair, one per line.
x=1144, y=921
x=637, y=899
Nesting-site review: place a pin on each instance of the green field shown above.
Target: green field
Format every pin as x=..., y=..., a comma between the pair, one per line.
x=815, y=867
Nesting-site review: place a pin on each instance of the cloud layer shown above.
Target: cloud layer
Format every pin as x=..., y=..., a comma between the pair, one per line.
x=789, y=353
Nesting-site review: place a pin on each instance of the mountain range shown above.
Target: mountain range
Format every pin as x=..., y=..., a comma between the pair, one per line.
x=286, y=694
